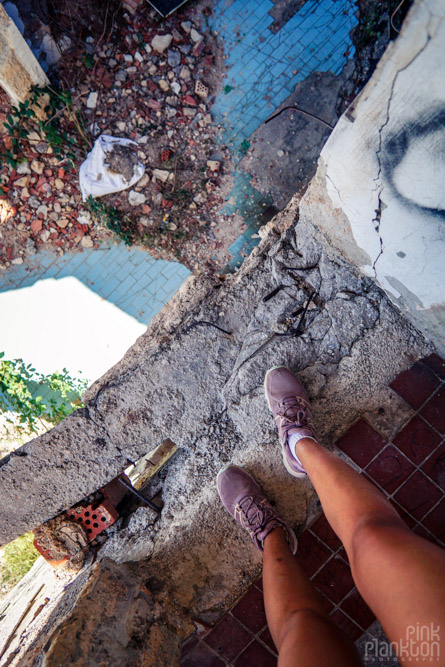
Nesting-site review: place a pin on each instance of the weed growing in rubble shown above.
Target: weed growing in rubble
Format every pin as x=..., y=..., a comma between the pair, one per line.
x=50, y=113
x=21, y=403
x=112, y=218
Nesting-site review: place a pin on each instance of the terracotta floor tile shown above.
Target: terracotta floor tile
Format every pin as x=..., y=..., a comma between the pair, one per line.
x=202, y=656
x=390, y=469
x=415, y=385
x=323, y=530
x=436, y=364
x=422, y=532
x=435, y=521
x=350, y=629
x=311, y=553
x=188, y=645
x=250, y=610
x=228, y=638
x=434, y=411
x=266, y=637
x=361, y=443
x=417, y=495
x=417, y=440
x=434, y=467
x=358, y=610
x=334, y=580
x=256, y=655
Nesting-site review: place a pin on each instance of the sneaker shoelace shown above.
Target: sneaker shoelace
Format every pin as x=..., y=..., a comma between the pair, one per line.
x=295, y=410
x=254, y=515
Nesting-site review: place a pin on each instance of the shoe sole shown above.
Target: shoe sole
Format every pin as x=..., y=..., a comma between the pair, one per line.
x=299, y=475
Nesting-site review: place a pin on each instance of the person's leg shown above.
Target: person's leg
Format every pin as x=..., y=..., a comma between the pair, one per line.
x=301, y=628
x=400, y=575
x=299, y=624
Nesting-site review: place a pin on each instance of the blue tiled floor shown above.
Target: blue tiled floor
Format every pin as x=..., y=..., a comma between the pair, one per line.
x=128, y=278
x=263, y=70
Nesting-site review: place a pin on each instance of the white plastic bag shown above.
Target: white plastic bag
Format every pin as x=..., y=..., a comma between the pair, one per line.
x=96, y=179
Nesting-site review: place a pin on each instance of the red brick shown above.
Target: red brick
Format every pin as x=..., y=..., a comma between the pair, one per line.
x=250, y=610
x=434, y=411
x=256, y=655
x=334, y=580
x=418, y=495
x=390, y=469
x=415, y=385
x=311, y=553
x=417, y=440
x=358, y=610
x=361, y=443
x=228, y=638
x=350, y=629
x=324, y=532
x=435, y=521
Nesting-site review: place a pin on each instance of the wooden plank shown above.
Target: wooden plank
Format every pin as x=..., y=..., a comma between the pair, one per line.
x=147, y=467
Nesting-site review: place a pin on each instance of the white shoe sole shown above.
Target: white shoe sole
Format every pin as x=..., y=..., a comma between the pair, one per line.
x=299, y=475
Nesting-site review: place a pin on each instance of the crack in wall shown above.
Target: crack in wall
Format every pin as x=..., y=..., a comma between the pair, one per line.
x=377, y=180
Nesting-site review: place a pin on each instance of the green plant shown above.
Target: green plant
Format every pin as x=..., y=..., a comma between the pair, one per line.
x=112, y=218
x=16, y=558
x=64, y=128
x=88, y=60
x=21, y=389
x=244, y=146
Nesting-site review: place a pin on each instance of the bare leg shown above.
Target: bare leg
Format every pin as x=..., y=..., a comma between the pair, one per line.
x=301, y=628
x=400, y=575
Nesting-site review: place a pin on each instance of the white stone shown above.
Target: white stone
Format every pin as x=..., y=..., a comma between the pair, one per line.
x=37, y=167
x=86, y=242
x=161, y=175
x=128, y=58
x=186, y=26
x=147, y=48
x=136, y=198
x=163, y=85
x=195, y=36
x=184, y=73
x=92, y=100
x=138, y=57
x=213, y=165
x=176, y=87
x=121, y=126
x=161, y=42
x=23, y=168
x=52, y=51
x=17, y=260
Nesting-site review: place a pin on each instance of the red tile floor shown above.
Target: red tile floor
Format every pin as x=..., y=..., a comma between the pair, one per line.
x=410, y=470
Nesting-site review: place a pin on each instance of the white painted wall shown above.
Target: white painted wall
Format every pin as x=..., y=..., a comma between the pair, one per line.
x=382, y=173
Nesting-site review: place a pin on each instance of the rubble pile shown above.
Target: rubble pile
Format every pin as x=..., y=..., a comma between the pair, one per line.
x=153, y=82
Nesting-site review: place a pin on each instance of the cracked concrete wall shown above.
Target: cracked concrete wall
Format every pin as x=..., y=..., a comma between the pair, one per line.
x=379, y=191
x=19, y=69
x=202, y=386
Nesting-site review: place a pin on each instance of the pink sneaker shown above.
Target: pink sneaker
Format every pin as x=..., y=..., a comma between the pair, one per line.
x=289, y=403
x=243, y=499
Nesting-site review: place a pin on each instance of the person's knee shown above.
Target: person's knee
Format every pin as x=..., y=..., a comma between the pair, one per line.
x=371, y=534
x=300, y=623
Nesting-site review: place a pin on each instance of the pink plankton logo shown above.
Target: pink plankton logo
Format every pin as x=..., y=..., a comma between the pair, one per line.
x=422, y=644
